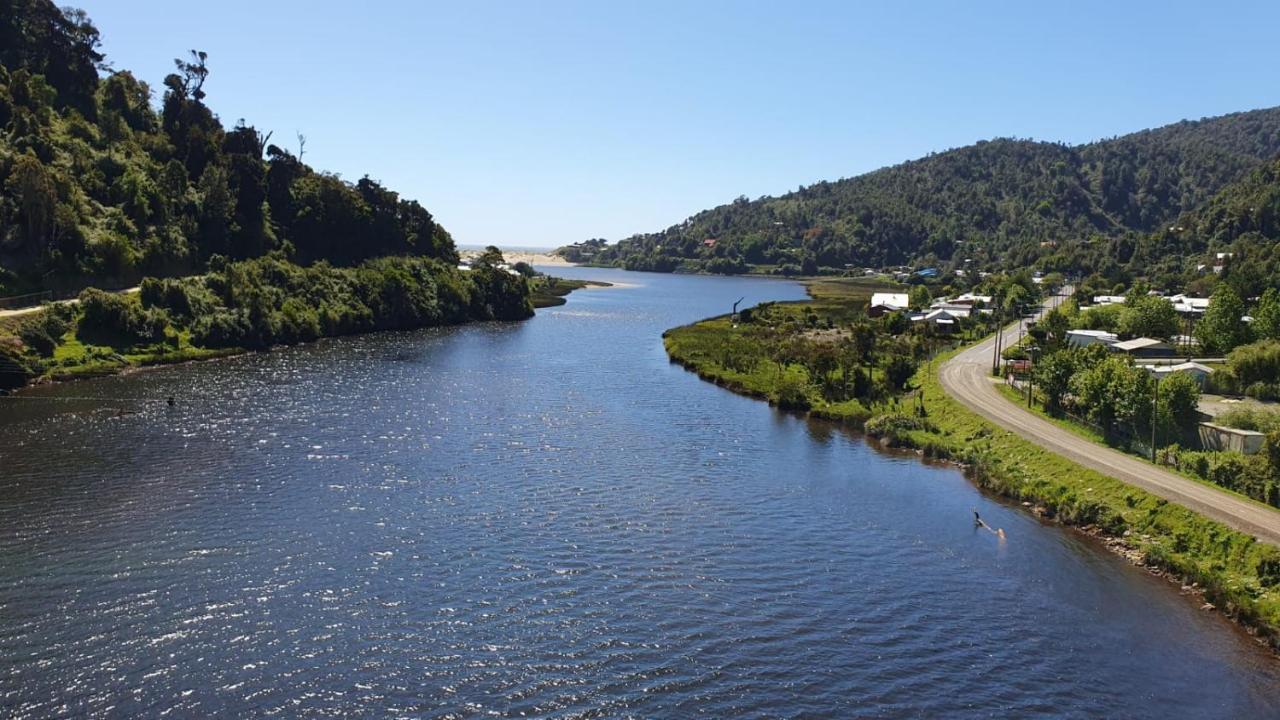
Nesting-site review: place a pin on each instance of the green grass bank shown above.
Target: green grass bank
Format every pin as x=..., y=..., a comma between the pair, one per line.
x=1235, y=573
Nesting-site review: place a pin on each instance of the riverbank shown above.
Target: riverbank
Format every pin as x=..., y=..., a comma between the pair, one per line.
x=1236, y=574
x=547, y=291
x=255, y=306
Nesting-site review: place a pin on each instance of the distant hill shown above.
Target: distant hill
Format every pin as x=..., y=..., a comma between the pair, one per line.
x=994, y=204
x=98, y=186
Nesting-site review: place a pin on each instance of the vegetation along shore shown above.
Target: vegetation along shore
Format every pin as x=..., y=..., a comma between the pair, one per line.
x=232, y=242
x=832, y=358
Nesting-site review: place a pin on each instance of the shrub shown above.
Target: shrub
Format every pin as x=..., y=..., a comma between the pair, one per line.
x=1256, y=363
x=111, y=319
x=1222, y=382
x=791, y=393
x=220, y=329
x=180, y=298
x=895, y=424
x=1256, y=419
x=15, y=369
x=43, y=331
x=1269, y=566
x=35, y=336
x=1263, y=391
x=898, y=371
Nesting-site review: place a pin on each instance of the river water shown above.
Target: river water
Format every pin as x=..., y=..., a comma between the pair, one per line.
x=547, y=519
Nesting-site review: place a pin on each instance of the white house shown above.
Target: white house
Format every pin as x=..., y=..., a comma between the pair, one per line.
x=1085, y=338
x=1187, y=305
x=942, y=320
x=971, y=299
x=1195, y=370
x=954, y=309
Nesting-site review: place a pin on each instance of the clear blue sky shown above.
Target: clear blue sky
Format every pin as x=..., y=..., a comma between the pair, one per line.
x=542, y=123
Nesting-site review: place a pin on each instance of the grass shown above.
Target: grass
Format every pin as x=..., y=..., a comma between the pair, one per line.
x=1237, y=573
x=702, y=347
x=73, y=358
x=549, y=291
x=1093, y=435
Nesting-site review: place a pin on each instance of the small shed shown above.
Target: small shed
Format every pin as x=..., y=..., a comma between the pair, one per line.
x=1221, y=437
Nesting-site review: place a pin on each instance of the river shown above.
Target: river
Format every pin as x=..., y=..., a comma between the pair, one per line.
x=547, y=519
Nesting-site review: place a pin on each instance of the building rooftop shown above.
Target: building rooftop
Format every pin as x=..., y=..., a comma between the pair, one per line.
x=1139, y=344
x=896, y=300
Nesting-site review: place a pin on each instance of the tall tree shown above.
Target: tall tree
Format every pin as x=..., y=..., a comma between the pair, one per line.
x=1266, y=317
x=1148, y=316
x=1223, y=328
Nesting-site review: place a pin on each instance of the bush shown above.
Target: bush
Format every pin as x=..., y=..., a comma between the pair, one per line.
x=180, y=298
x=1256, y=419
x=1222, y=382
x=1269, y=566
x=791, y=393
x=221, y=329
x=1256, y=363
x=1263, y=391
x=35, y=336
x=44, y=331
x=898, y=371
x=894, y=424
x=112, y=319
x=15, y=370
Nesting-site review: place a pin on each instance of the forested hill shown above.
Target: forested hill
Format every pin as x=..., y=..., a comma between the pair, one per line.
x=998, y=203
x=98, y=186
x=1242, y=221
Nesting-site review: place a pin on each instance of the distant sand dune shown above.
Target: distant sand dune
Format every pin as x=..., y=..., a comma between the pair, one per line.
x=515, y=256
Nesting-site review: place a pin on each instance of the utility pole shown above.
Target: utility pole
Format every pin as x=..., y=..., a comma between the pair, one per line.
x=1155, y=412
x=995, y=355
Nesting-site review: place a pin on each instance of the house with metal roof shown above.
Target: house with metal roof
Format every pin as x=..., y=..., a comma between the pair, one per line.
x=1085, y=338
x=1144, y=347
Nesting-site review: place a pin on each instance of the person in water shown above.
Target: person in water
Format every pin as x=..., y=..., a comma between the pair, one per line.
x=979, y=522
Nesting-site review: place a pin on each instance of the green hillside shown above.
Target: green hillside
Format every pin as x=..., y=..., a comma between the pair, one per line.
x=98, y=186
x=993, y=204
x=236, y=242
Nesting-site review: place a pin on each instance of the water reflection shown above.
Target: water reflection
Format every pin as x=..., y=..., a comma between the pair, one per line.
x=548, y=518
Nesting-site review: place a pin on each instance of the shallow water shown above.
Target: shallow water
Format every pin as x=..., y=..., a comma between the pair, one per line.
x=547, y=519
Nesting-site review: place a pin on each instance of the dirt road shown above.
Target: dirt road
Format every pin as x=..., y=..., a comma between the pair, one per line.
x=6, y=314
x=967, y=378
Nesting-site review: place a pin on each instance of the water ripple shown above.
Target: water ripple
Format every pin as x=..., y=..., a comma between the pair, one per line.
x=546, y=519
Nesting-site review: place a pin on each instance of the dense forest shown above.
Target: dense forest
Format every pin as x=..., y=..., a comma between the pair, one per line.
x=100, y=186
x=236, y=242
x=992, y=205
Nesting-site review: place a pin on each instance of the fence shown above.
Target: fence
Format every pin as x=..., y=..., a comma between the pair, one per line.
x=17, y=302
x=1117, y=434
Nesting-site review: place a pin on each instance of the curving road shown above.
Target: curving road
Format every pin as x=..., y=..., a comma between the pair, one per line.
x=967, y=378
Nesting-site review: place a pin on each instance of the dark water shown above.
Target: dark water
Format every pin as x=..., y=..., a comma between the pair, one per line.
x=547, y=519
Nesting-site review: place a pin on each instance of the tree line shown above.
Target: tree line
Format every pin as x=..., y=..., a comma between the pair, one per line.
x=98, y=186
x=1110, y=208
